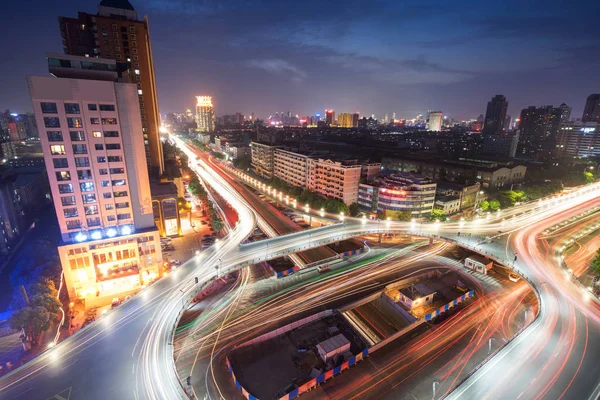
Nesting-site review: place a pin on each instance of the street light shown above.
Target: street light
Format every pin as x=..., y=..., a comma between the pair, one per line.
x=322, y=212
x=307, y=208
x=341, y=216
x=435, y=383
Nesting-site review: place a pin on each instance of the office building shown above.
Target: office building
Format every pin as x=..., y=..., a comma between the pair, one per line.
x=116, y=33
x=495, y=114
x=329, y=117
x=91, y=134
x=538, y=130
x=591, y=111
x=579, y=140
x=467, y=194
x=434, y=121
x=399, y=192
x=205, y=114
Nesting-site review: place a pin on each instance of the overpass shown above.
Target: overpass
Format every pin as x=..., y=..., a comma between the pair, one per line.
x=128, y=352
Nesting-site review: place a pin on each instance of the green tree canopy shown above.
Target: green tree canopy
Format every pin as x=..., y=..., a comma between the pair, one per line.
x=354, y=209
x=437, y=215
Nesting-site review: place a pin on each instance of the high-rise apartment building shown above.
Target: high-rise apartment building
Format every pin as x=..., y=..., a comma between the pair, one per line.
x=345, y=120
x=91, y=134
x=539, y=128
x=434, y=121
x=116, y=33
x=329, y=117
x=591, y=111
x=205, y=114
x=495, y=114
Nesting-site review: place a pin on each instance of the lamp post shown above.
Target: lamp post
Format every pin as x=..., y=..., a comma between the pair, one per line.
x=435, y=384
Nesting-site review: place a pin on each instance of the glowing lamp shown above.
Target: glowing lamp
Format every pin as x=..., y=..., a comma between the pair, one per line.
x=80, y=237
x=125, y=230
x=111, y=232
x=96, y=235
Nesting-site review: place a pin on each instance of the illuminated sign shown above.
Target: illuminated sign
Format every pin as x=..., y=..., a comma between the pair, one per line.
x=588, y=130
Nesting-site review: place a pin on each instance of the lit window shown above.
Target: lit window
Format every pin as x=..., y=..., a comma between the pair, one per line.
x=97, y=134
x=139, y=91
x=137, y=71
x=57, y=150
x=74, y=123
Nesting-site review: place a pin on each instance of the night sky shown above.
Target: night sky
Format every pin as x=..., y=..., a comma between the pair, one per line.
x=367, y=56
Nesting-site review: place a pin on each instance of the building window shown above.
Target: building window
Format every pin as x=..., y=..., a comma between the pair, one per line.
x=88, y=198
x=79, y=149
x=113, y=146
x=95, y=221
x=55, y=136
x=107, y=196
x=82, y=162
x=97, y=134
x=92, y=107
x=72, y=108
x=91, y=210
x=123, y=216
x=115, y=159
x=70, y=212
x=57, y=150
x=132, y=29
x=105, y=183
x=74, y=122
x=65, y=188
x=51, y=122
x=110, y=217
x=67, y=200
x=122, y=205
x=95, y=121
x=77, y=136
x=111, y=134
x=73, y=224
x=107, y=107
x=109, y=206
x=87, y=186
x=49, y=108
x=101, y=159
x=109, y=121
x=120, y=194
x=60, y=163
x=99, y=146
x=137, y=71
x=103, y=171
x=117, y=170
x=118, y=182
x=84, y=174
x=139, y=91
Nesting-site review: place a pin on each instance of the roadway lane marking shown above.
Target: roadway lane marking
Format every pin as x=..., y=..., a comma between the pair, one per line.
x=61, y=395
x=68, y=365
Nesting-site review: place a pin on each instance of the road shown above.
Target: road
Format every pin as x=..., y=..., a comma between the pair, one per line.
x=126, y=353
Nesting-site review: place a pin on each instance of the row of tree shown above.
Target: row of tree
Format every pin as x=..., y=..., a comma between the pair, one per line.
x=196, y=189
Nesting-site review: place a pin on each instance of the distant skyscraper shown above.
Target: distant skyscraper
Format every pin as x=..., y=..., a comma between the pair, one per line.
x=345, y=120
x=591, y=112
x=330, y=117
x=386, y=119
x=116, y=33
x=355, y=118
x=205, y=114
x=495, y=114
x=507, y=121
x=434, y=121
x=393, y=116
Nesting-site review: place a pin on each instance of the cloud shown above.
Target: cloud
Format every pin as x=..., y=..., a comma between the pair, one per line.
x=280, y=68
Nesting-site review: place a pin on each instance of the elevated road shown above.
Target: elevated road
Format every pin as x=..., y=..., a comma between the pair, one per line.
x=127, y=354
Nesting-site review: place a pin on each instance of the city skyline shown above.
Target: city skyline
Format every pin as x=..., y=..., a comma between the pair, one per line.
x=405, y=67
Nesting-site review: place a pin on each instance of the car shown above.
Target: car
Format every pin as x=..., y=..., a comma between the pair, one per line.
x=168, y=248
x=323, y=268
x=514, y=277
x=115, y=302
x=175, y=262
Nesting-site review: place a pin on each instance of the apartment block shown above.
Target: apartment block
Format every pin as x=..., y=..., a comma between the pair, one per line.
x=93, y=144
x=292, y=167
x=335, y=179
x=263, y=159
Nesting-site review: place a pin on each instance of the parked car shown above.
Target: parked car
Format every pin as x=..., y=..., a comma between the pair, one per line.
x=168, y=248
x=175, y=262
x=514, y=277
x=115, y=302
x=323, y=268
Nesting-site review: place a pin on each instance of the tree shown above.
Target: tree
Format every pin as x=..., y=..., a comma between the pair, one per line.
x=589, y=177
x=354, y=209
x=484, y=205
x=33, y=320
x=595, y=264
x=50, y=303
x=437, y=215
x=494, y=205
x=399, y=215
